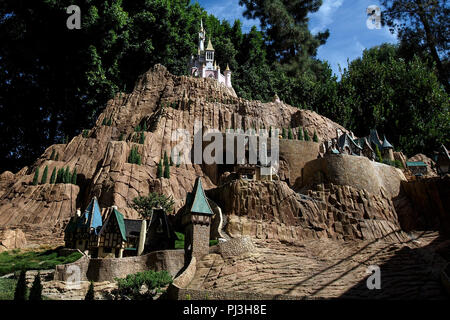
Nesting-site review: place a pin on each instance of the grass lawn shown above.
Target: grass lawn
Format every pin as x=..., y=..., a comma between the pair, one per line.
x=15, y=260
x=7, y=287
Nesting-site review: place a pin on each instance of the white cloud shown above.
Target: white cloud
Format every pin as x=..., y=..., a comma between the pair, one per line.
x=325, y=15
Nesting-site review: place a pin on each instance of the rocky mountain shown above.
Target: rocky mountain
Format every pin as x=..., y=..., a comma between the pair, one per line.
x=161, y=103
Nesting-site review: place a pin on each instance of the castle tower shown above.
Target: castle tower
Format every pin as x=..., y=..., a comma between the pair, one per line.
x=227, y=75
x=197, y=221
x=388, y=150
x=209, y=52
x=201, y=38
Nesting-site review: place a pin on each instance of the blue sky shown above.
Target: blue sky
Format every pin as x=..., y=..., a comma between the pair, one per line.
x=346, y=20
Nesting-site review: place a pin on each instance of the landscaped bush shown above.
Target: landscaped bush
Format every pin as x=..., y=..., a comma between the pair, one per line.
x=12, y=261
x=154, y=281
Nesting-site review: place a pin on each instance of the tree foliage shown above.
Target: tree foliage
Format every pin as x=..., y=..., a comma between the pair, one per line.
x=144, y=205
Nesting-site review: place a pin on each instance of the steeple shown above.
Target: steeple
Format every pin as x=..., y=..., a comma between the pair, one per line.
x=201, y=26
x=210, y=46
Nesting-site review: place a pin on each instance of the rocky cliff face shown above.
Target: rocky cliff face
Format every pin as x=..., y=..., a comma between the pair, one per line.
x=163, y=102
x=272, y=210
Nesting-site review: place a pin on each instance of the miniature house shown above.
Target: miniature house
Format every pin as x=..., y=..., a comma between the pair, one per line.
x=197, y=221
x=113, y=236
x=417, y=168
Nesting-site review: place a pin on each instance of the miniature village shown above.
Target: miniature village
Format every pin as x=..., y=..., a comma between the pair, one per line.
x=249, y=229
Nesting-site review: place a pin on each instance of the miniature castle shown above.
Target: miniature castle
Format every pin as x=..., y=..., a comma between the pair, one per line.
x=346, y=143
x=203, y=64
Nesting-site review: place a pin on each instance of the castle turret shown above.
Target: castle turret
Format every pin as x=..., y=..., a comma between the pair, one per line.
x=209, y=52
x=201, y=38
x=227, y=75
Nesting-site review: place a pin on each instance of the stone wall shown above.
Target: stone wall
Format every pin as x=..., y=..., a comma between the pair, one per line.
x=430, y=199
x=354, y=171
x=296, y=154
x=99, y=270
x=236, y=247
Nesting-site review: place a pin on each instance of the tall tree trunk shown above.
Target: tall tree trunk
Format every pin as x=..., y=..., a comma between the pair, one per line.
x=431, y=44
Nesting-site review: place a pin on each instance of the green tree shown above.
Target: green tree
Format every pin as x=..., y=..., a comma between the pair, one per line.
x=57, y=157
x=404, y=100
x=53, y=176
x=283, y=133
x=422, y=26
x=306, y=135
x=145, y=205
x=300, y=133
x=285, y=24
x=67, y=177
x=90, y=294
x=159, y=170
x=166, y=160
x=52, y=156
x=142, y=138
x=36, y=177
x=290, y=134
x=44, y=176
x=21, y=287
x=167, y=171
x=36, y=289
x=378, y=154
x=74, y=176
x=315, y=138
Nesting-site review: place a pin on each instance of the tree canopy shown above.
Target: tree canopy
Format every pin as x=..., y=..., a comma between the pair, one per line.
x=54, y=81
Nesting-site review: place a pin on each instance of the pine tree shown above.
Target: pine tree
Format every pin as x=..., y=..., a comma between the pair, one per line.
x=307, y=138
x=36, y=177
x=138, y=158
x=59, y=176
x=44, y=176
x=21, y=287
x=67, y=176
x=104, y=122
x=53, y=177
x=167, y=171
x=74, y=176
x=144, y=128
x=109, y=123
x=315, y=138
x=290, y=135
x=166, y=160
x=142, y=139
x=300, y=133
x=52, y=157
x=57, y=157
x=90, y=293
x=378, y=153
x=36, y=289
x=121, y=137
x=159, y=170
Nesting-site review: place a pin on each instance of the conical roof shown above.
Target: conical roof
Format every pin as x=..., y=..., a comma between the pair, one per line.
x=386, y=144
x=200, y=203
x=209, y=47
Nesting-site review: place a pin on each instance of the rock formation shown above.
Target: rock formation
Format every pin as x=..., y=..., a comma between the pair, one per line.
x=164, y=103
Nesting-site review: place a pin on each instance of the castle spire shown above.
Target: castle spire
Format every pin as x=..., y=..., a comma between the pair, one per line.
x=210, y=46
